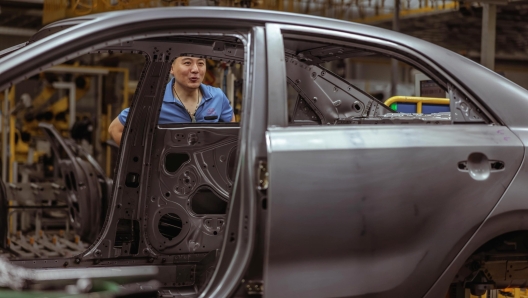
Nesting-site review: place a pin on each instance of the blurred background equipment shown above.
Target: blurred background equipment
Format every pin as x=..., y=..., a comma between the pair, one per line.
x=57, y=157
x=54, y=128
x=79, y=283
x=57, y=218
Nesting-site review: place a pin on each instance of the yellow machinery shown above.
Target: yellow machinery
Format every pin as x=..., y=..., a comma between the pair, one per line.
x=417, y=100
x=29, y=125
x=505, y=293
x=62, y=9
x=363, y=11
x=19, y=148
x=8, y=99
x=60, y=106
x=21, y=126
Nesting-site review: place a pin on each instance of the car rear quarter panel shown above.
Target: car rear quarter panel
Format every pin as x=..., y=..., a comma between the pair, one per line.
x=510, y=214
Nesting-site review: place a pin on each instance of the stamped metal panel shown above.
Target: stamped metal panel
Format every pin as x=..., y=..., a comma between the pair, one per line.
x=375, y=210
x=210, y=150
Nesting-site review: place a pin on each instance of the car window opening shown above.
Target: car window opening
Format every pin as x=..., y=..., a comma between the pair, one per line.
x=335, y=84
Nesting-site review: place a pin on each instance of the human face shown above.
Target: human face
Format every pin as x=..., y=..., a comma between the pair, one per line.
x=188, y=72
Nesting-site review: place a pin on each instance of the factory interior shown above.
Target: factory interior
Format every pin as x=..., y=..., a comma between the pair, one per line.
x=60, y=116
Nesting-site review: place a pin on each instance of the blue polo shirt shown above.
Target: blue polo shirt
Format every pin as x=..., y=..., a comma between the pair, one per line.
x=214, y=107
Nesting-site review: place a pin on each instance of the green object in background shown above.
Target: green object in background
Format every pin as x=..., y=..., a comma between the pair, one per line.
x=394, y=106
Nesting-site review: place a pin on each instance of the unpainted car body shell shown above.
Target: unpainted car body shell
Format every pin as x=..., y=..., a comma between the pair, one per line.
x=348, y=161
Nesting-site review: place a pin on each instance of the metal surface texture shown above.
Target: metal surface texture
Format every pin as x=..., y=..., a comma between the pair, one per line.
x=209, y=152
x=242, y=254
x=344, y=194
x=508, y=215
x=378, y=185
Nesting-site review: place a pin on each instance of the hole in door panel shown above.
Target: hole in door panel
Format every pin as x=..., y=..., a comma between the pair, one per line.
x=170, y=225
x=206, y=201
x=174, y=161
x=127, y=232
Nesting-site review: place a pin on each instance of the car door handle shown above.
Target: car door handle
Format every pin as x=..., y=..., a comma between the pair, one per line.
x=496, y=165
x=479, y=166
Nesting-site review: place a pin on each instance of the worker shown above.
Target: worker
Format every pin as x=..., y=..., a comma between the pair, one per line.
x=186, y=99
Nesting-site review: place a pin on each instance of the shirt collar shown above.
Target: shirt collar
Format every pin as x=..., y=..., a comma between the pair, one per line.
x=169, y=95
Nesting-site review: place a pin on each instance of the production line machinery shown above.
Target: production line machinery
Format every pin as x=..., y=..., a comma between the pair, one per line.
x=53, y=219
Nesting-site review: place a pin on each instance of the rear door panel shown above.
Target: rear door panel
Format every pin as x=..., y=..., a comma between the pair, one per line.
x=376, y=210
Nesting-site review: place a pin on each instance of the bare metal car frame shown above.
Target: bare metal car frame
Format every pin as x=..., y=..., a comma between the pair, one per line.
x=348, y=208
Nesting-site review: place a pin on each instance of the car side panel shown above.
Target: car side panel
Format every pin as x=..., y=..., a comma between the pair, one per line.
x=509, y=215
x=362, y=210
